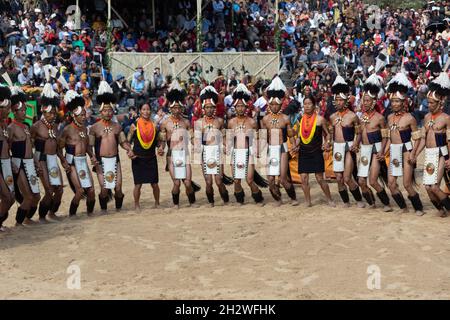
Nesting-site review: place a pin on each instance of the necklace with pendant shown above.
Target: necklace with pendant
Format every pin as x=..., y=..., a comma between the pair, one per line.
x=23, y=126
x=107, y=128
x=176, y=123
x=209, y=123
x=397, y=117
x=433, y=119
x=340, y=117
x=366, y=117
x=275, y=121
x=51, y=132
x=241, y=126
x=77, y=126
x=5, y=130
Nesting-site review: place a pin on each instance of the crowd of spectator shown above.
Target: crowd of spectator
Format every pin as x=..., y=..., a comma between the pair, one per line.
x=316, y=39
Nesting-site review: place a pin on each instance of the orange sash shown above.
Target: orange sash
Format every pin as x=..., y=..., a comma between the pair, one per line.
x=146, y=133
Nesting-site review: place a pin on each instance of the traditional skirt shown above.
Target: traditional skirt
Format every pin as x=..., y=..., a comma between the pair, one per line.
x=145, y=170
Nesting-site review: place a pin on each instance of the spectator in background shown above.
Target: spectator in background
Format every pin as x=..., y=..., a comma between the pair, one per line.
x=121, y=90
x=24, y=78
x=138, y=90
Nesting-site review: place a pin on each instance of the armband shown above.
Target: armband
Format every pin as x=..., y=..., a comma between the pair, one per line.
x=91, y=140
x=416, y=135
x=162, y=136
x=448, y=134
x=290, y=133
x=122, y=137
x=385, y=133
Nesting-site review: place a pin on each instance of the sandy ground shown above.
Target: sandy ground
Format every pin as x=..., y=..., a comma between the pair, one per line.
x=229, y=252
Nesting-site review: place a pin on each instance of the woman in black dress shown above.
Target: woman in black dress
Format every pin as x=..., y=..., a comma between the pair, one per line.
x=312, y=130
x=143, y=136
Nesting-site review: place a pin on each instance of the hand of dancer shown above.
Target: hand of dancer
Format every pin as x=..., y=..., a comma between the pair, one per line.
x=354, y=148
x=412, y=159
x=160, y=151
x=66, y=167
x=447, y=164
x=94, y=161
x=380, y=156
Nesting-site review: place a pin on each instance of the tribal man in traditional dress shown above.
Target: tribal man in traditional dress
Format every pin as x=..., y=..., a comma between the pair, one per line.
x=74, y=139
x=402, y=129
x=105, y=136
x=26, y=179
x=346, y=133
x=436, y=143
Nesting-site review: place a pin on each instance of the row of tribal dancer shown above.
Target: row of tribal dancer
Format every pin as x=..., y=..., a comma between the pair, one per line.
x=346, y=135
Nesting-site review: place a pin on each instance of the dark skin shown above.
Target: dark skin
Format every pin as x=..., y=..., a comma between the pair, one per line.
x=176, y=129
x=275, y=137
x=40, y=131
x=375, y=123
x=73, y=135
x=309, y=109
x=109, y=147
x=210, y=127
x=404, y=121
x=17, y=133
x=145, y=114
x=349, y=119
x=435, y=121
x=6, y=197
x=242, y=126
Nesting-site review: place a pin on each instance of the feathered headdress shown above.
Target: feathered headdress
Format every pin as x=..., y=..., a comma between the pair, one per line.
x=49, y=98
x=439, y=88
x=399, y=86
x=276, y=90
x=372, y=86
x=105, y=95
x=18, y=98
x=5, y=96
x=74, y=102
x=241, y=93
x=340, y=87
x=381, y=60
x=209, y=93
x=176, y=94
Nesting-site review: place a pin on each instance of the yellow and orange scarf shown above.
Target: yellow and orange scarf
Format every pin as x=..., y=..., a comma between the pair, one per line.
x=308, y=128
x=146, y=132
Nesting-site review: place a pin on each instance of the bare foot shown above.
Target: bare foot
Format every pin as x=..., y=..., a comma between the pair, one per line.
x=260, y=204
x=20, y=225
x=294, y=203
x=54, y=217
x=331, y=204
x=387, y=209
x=442, y=213
x=137, y=207
x=211, y=205
x=360, y=204
x=277, y=203
x=194, y=205
x=176, y=207
x=43, y=221
x=308, y=204
x=4, y=229
x=29, y=222
x=155, y=205
x=405, y=210
x=419, y=213
x=346, y=204
x=74, y=217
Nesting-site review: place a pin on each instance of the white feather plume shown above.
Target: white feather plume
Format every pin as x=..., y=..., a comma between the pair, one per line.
x=208, y=88
x=401, y=79
x=339, y=80
x=242, y=88
x=48, y=91
x=276, y=85
x=175, y=85
x=15, y=90
x=70, y=95
x=374, y=80
x=104, y=88
x=443, y=80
